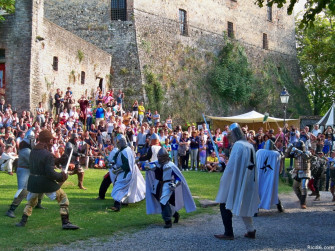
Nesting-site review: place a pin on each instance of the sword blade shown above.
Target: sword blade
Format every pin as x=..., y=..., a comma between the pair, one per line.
x=68, y=162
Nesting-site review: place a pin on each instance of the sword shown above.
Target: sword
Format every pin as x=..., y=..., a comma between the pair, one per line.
x=68, y=162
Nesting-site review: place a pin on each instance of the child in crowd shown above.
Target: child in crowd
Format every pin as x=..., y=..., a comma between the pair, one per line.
x=202, y=155
x=167, y=146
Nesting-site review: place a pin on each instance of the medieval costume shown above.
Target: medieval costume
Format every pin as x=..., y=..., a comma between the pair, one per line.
x=107, y=178
x=75, y=168
x=268, y=166
x=318, y=168
x=301, y=172
x=153, y=149
x=238, y=192
x=44, y=179
x=128, y=182
x=167, y=189
x=23, y=172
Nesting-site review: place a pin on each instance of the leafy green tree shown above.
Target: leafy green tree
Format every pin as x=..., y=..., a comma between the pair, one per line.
x=7, y=6
x=316, y=50
x=312, y=8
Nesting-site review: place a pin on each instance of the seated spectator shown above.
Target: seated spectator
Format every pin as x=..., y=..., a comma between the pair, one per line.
x=7, y=159
x=212, y=163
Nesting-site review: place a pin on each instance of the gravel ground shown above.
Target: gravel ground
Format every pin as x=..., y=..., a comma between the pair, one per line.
x=296, y=229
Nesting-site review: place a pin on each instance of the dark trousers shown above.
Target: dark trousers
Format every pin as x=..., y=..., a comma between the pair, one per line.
x=227, y=219
x=104, y=186
x=166, y=212
x=317, y=185
x=184, y=160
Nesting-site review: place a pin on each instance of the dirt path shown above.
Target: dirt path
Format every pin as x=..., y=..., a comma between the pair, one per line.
x=296, y=229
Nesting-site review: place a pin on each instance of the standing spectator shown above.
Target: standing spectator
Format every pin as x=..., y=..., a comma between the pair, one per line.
x=83, y=104
x=316, y=130
x=97, y=95
x=68, y=100
x=120, y=98
x=2, y=105
x=183, y=150
x=174, y=147
x=40, y=113
x=89, y=116
x=149, y=116
x=135, y=110
x=194, y=145
x=140, y=141
x=167, y=146
x=99, y=114
x=141, y=111
x=58, y=101
x=156, y=117
x=202, y=154
x=169, y=122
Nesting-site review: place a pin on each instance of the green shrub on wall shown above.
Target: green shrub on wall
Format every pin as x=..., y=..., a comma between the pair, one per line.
x=154, y=90
x=232, y=77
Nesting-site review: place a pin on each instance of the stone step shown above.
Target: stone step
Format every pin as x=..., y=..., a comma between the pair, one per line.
x=208, y=203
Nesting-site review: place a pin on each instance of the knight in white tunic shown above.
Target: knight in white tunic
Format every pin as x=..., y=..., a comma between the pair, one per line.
x=238, y=191
x=268, y=166
x=167, y=189
x=128, y=182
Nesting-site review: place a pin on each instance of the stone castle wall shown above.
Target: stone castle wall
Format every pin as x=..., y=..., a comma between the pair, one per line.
x=31, y=42
x=149, y=40
x=63, y=44
x=91, y=20
x=174, y=57
x=15, y=38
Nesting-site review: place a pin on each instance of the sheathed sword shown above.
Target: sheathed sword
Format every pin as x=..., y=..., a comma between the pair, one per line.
x=68, y=161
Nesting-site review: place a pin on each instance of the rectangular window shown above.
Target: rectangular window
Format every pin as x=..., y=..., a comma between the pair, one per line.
x=230, y=29
x=55, y=64
x=183, y=22
x=82, y=79
x=265, y=42
x=119, y=10
x=2, y=54
x=269, y=13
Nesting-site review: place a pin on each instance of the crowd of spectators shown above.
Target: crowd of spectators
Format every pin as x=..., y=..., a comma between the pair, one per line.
x=97, y=121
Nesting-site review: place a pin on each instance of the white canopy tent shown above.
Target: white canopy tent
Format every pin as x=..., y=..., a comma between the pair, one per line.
x=253, y=119
x=328, y=118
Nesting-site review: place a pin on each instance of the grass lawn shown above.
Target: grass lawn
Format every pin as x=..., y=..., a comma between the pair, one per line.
x=44, y=226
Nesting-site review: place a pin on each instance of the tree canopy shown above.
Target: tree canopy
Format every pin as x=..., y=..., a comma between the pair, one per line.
x=6, y=6
x=312, y=8
x=316, y=47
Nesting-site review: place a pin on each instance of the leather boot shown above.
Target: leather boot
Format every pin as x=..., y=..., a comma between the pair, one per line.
x=303, y=201
x=176, y=217
x=66, y=224
x=23, y=221
x=39, y=206
x=80, y=181
x=280, y=207
x=251, y=235
x=168, y=224
x=10, y=212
